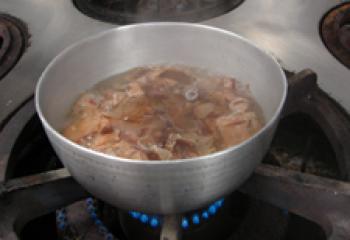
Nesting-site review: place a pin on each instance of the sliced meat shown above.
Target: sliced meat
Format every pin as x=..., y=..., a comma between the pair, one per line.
x=104, y=140
x=133, y=110
x=158, y=87
x=127, y=150
x=229, y=83
x=239, y=105
x=134, y=90
x=172, y=140
x=235, y=128
x=86, y=102
x=162, y=113
x=157, y=153
x=205, y=145
x=179, y=111
x=201, y=111
x=90, y=122
x=181, y=146
x=177, y=75
x=111, y=100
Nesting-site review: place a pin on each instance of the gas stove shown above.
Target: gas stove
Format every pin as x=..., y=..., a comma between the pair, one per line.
x=299, y=192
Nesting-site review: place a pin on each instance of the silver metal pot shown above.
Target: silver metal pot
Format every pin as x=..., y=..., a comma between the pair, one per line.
x=162, y=187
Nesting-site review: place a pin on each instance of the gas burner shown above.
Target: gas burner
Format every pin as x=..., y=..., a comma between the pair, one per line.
x=192, y=219
x=126, y=11
x=14, y=38
x=335, y=32
x=240, y=218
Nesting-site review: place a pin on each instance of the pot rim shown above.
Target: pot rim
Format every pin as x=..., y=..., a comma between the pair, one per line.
x=97, y=154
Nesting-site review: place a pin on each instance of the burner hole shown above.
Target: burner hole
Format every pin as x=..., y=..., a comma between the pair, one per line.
x=133, y=11
x=1, y=41
x=335, y=32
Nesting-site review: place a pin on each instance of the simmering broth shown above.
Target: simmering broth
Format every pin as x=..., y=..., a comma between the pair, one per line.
x=163, y=113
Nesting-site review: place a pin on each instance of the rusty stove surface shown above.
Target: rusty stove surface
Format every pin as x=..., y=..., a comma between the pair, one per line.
x=335, y=32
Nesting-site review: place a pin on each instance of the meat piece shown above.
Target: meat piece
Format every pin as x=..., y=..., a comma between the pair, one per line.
x=181, y=146
x=217, y=97
x=111, y=100
x=235, y=128
x=228, y=95
x=157, y=153
x=132, y=110
x=103, y=140
x=196, y=143
x=172, y=140
x=90, y=122
x=205, y=145
x=183, y=150
x=203, y=110
x=153, y=133
x=127, y=150
x=129, y=135
x=228, y=90
x=138, y=155
x=167, y=82
x=229, y=83
x=177, y=75
x=160, y=87
x=210, y=124
x=163, y=112
x=134, y=90
x=178, y=111
x=86, y=102
x=239, y=105
x=108, y=129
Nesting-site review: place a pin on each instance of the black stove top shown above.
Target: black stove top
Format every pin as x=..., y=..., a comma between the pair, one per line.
x=303, y=143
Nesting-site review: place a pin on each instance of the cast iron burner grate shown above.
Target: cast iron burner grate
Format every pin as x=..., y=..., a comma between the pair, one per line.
x=335, y=32
x=132, y=11
x=14, y=39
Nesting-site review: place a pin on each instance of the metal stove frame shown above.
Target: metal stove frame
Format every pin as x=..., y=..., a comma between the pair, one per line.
x=322, y=200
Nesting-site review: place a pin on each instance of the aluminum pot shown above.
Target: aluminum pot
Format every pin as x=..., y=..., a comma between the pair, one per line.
x=161, y=187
